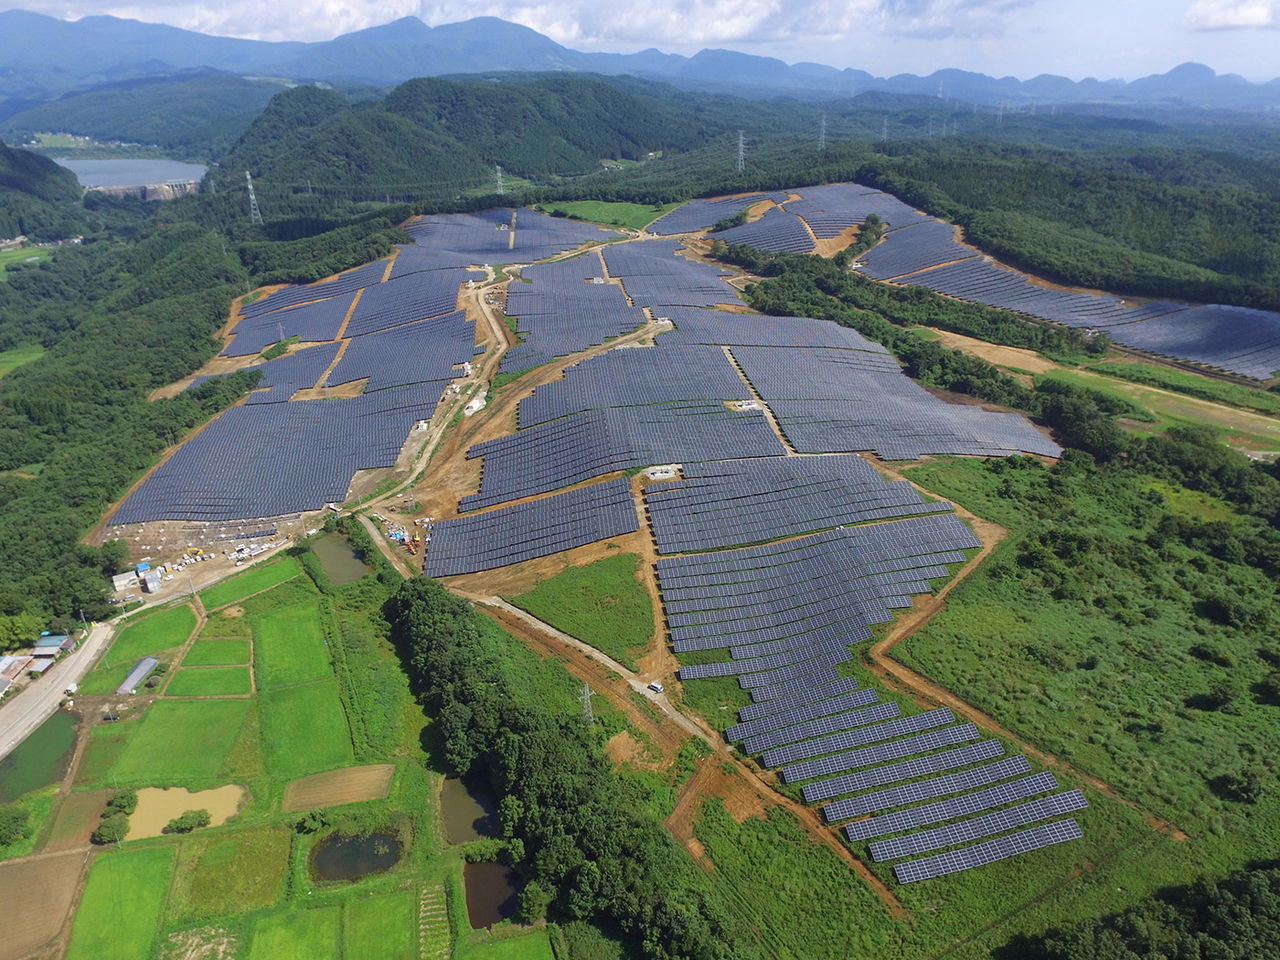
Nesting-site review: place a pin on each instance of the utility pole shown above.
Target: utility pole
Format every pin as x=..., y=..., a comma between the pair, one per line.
x=822, y=134
x=497, y=172
x=742, y=151
x=255, y=215
x=587, y=713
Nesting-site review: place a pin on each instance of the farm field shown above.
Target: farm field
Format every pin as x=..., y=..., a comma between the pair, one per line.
x=296, y=935
x=289, y=647
x=209, y=682
x=119, y=916
x=217, y=653
x=235, y=873
x=305, y=730
x=603, y=604
x=259, y=578
x=382, y=926
x=144, y=637
x=180, y=743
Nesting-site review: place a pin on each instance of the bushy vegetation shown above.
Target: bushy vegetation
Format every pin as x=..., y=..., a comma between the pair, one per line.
x=14, y=823
x=188, y=821
x=575, y=828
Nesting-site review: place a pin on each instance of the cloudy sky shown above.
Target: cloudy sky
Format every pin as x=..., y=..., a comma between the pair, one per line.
x=1077, y=38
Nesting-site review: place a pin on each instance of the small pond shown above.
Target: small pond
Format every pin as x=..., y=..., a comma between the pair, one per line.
x=39, y=760
x=493, y=893
x=340, y=561
x=468, y=811
x=339, y=857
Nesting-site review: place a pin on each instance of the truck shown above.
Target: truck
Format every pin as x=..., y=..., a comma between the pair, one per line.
x=72, y=688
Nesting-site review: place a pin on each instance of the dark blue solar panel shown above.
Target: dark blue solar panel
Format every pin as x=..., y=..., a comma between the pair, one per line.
x=916, y=247
x=426, y=351
x=314, y=321
x=777, y=232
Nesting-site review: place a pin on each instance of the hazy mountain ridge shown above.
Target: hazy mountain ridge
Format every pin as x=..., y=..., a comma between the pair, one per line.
x=41, y=55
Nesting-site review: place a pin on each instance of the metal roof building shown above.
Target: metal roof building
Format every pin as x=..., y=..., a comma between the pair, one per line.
x=137, y=675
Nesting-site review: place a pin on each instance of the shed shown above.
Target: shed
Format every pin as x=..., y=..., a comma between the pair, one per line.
x=123, y=581
x=54, y=640
x=151, y=581
x=138, y=675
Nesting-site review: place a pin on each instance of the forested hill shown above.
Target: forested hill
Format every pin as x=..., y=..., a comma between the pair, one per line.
x=36, y=195
x=442, y=131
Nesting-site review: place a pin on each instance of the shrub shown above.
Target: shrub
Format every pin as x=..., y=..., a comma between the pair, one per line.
x=13, y=824
x=123, y=801
x=112, y=829
x=188, y=821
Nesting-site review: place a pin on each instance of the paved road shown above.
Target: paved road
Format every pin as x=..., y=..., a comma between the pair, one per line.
x=34, y=705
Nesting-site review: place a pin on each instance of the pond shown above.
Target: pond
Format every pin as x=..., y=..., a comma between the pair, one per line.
x=493, y=893
x=41, y=759
x=468, y=811
x=340, y=560
x=125, y=172
x=339, y=857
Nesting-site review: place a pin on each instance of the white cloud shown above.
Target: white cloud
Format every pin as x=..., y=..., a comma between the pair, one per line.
x=1233, y=14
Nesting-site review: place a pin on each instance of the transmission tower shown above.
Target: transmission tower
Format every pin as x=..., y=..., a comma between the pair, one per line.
x=822, y=134
x=497, y=172
x=742, y=151
x=255, y=215
x=884, y=129
x=587, y=713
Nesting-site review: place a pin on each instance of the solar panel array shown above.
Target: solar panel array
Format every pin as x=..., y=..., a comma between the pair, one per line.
x=561, y=312
x=270, y=459
x=293, y=295
x=821, y=726
x=537, y=529
x=913, y=248
x=1238, y=339
x=284, y=376
x=696, y=325
x=586, y=445
x=539, y=235
x=829, y=586
x=876, y=753
x=829, y=401
x=800, y=712
x=460, y=239
x=831, y=209
x=845, y=739
x=422, y=352
x=313, y=321
x=416, y=296
x=718, y=505
x=988, y=825
x=904, y=770
x=654, y=276
x=810, y=694
x=953, y=808
x=920, y=790
x=981, y=854
x=636, y=377
x=777, y=232
x=700, y=214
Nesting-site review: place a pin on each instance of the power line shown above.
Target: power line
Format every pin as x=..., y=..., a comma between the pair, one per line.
x=822, y=134
x=255, y=215
x=742, y=151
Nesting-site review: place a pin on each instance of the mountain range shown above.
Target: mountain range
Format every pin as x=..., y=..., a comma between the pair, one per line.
x=41, y=57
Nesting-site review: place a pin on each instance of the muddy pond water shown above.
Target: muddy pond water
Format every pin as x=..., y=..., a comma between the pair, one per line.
x=493, y=893
x=340, y=560
x=468, y=811
x=339, y=857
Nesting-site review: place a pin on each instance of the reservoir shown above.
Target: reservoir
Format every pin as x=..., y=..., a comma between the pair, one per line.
x=127, y=172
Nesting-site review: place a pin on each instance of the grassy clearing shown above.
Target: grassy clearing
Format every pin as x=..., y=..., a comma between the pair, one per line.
x=217, y=653
x=11, y=360
x=1191, y=384
x=146, y=637
x=305, y=730
x=106, y=743
x=259, y=578
x=603, y=604
x=530, y=946
x=39, y=805
x=289, y=647
x=384, y=927
x=21, y=255
x=1193, y=504
x=209, y=682
x=230, y=875
x=224, y=626
x=178, y=742
x=635, y=216
x=119, y=915
x=298, y=935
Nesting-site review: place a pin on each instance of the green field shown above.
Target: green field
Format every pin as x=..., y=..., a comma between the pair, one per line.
x=296, y=935
x=531, y=946
x=289, y=647
x=10, y=360
x=39, y=805
x=383, y=926
x=230, y=875
x=635, y=216
x=223, y=626
x=1193, y=385
x=255, y=580
x=209, y=682
x=217, y=653
x=106, y=743
x=305, y=730
x=119, y=915
x=178, y=742
x=21, y=255
x=602, y=604
x=144, y=637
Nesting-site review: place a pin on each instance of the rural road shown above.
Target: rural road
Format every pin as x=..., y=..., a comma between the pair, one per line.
x=20, y=716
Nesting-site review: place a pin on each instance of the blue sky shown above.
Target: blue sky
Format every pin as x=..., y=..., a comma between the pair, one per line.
x=1076, y=38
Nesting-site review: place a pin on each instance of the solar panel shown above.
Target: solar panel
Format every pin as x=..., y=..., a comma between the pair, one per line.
x=905, y=770
x=926, y=789
x=984, y=826
x=859, y=737
x=981, y=854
